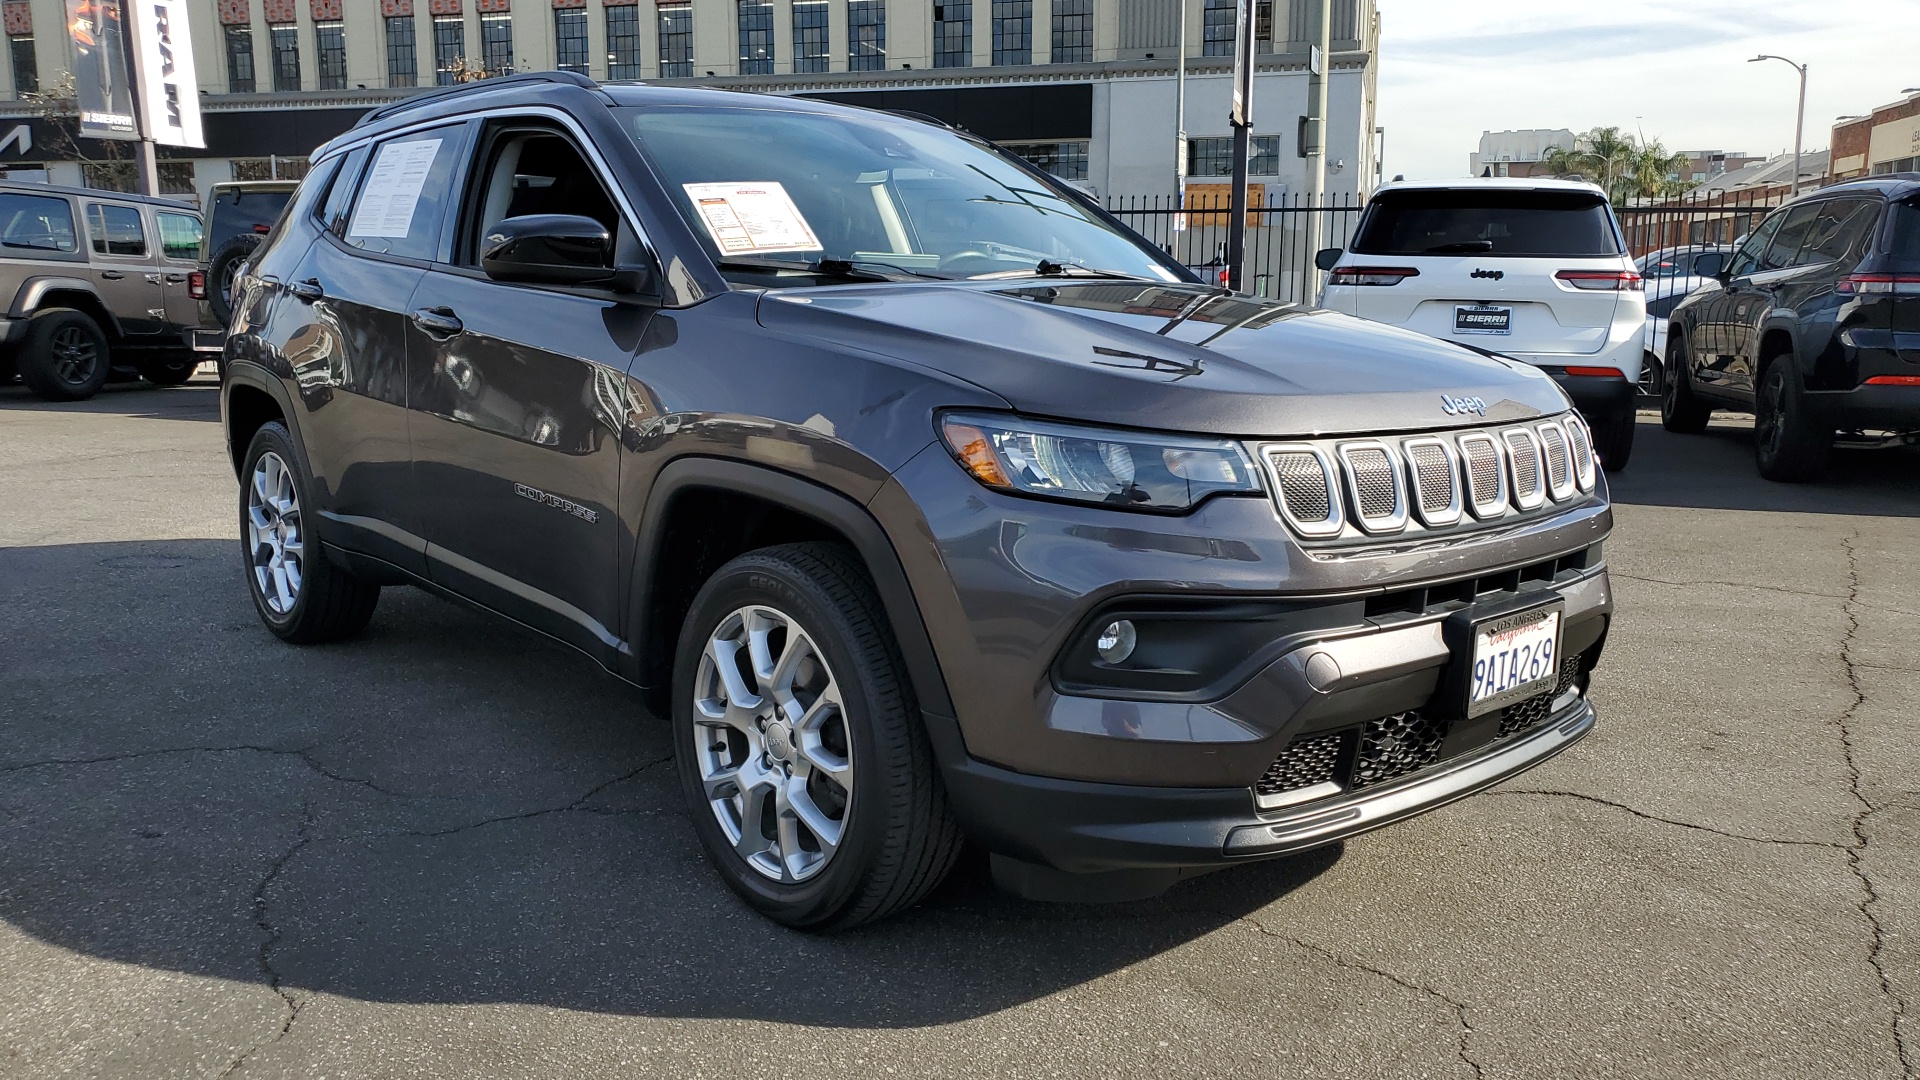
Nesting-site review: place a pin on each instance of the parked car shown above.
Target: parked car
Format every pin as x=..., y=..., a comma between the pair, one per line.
x=1670, y=274
x=96, y=285
x=240, y=213
x=1814, y=325
x=921, y=497
x=1533, y=269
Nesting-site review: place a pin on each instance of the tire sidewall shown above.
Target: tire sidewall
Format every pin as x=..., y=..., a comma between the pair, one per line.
x=235, y=250
x=273, y=437
x=37, y=355
x=759, y=579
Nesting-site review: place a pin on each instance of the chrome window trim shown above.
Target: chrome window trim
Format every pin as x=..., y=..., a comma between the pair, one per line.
x=1394, y=521
x=1535, y=498
x=1496, y=506
x=1451, y=513
x=1335, y=522
x=1542, y=432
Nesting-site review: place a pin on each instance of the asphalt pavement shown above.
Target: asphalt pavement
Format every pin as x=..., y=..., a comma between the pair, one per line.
x=450, y=849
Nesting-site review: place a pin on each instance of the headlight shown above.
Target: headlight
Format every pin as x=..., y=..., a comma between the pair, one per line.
x=1126, y=470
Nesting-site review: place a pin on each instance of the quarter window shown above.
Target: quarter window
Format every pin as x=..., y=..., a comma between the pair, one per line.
x=115, y=230
x=36, y=223
x=400, y=203
x=179, y=236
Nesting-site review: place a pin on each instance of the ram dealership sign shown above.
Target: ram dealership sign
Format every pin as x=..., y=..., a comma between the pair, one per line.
x=163, y=56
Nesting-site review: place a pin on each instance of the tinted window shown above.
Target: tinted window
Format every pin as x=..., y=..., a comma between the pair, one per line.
x=1837, y=229
x=1492, y=221
x=36, y=222
x=115, y=230
x=1748, y=256
x=1903, y=232
x=238, y=211
x=1787, y=238
x=179, y=235
x=535, y=173
x=398, y=208
x=333, y=213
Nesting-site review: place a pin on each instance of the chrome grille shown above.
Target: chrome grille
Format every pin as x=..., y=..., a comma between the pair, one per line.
x=1436, y=491
x=1523, y=456
x=1486, y=486
x=1305, y=485
x=1375, y=486
x=1553, y=445
x=1582, y=445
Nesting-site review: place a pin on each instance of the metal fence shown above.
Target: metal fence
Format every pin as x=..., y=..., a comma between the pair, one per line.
x=1697, y=219
x=1281, y=236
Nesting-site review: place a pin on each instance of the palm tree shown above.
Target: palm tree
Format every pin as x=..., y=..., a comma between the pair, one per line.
x=1622, y=166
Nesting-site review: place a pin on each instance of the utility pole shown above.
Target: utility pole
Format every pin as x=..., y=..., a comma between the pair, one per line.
x=148, y=162
x=1319, y=68
x=1799, y=118
x=1180, y=127
x=1242, y=120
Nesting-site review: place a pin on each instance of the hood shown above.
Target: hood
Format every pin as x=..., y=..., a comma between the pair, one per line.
x=1171, y=357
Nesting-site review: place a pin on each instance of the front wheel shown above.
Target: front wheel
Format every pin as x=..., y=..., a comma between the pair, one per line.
x=1789, y=443
x=800, y=745
x=301, y=596
x=64, y=355
x=1681, y=411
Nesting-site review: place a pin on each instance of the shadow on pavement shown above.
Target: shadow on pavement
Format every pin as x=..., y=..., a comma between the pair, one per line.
x=198, y=399
x=1715, y=471
x=445, y=810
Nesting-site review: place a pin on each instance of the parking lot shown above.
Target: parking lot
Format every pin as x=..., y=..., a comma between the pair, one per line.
x=451, y=849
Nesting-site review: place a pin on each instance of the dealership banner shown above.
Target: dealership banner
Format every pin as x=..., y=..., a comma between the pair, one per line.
x=163, y=59
x=100, y=69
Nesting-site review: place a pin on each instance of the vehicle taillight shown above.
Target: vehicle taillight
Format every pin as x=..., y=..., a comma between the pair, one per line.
x=1603, y=280
x=1894, y=380
x=1371, y=275
x=1879, y=285
x=196, y=285
x=1595, y=372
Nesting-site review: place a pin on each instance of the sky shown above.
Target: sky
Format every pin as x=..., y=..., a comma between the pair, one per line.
x=1674, y=70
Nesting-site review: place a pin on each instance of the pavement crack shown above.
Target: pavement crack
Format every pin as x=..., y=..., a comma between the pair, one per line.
x=271, y=934
x=1352, y=964
x=304, y=753
x=1870, y=899
x=1666, y=820
x=578, y=805
x=1730, y=585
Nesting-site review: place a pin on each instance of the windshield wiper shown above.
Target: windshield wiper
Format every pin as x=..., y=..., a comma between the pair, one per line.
x=1461, y=246
x=839, y=269
x=1049, y=268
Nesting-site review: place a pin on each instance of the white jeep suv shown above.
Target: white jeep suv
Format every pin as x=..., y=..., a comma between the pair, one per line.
x=1533, y=269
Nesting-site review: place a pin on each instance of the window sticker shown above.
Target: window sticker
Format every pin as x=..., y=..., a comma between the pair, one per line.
x=751, y=218
x=393, y=189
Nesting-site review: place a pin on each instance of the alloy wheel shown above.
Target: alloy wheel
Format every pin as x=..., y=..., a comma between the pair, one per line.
x=274, y=539
x=772, y=745
x=75, y=355
x=1769, y=421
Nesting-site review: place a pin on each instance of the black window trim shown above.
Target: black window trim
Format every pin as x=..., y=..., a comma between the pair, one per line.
x=161, y=240
x=146, y=230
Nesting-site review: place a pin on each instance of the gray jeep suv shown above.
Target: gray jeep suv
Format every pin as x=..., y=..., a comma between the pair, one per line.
x=925, y=500
x=96, y=283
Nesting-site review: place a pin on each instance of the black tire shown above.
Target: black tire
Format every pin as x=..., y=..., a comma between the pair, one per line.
x=328, y=603
x=898, y=837
x=221, y=270
x=64, y=355
x=1613, y=439
x=171, y=372
x=1681, y=411
x=1653, y=376
x=1790, y=443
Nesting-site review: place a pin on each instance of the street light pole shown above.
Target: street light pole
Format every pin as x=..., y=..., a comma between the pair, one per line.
x=1800, y=118
x=1180, y=127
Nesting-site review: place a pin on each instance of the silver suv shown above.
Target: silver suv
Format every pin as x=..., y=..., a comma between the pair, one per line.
x=94, y=281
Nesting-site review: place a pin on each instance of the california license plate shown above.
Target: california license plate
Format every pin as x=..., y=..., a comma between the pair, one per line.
x=1514, y=657
x=1482, y=319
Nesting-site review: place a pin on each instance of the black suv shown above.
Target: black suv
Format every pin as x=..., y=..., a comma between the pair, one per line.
x=1814, y=325
x=925, y=499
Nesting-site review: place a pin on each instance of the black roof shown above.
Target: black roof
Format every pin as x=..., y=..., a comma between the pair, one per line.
x=1892, y=185
x=94, y=193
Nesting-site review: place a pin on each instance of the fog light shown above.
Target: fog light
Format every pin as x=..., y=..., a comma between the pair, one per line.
x=1116, y=642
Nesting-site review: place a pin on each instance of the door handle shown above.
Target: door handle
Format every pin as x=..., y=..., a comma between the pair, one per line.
x=438, y=323
x=176, y=279
x=308, y=290
x=112, y=275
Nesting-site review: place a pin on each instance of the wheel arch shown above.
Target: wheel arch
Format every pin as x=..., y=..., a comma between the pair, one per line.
x=39, y=293
x=249, y=400
x=701, y=512
x=1776, y=340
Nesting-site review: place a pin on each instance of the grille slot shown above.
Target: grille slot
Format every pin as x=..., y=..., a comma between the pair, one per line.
x=1522, y=715
x=1581, y=442
x=1523, y=456
x=1436, y=487
x=1308, y=489
x=1486, y=483
x=1374, y=482
x=1396, y=745
x=1553, y=446
x=1303, y=764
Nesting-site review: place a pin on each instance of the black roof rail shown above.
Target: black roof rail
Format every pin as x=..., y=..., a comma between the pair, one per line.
x=925, y=118
x=566, y=78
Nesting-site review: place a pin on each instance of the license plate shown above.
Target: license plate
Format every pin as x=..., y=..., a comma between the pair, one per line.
x=1514, y=657
x=1478, y=319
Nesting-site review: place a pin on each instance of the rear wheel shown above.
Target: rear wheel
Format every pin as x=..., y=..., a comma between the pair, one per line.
x=64, y=355
x=1613, y=440
x=1680, y=410
x=800, y=746
x=1790, y=444
x=171, y=372
x=301, y=596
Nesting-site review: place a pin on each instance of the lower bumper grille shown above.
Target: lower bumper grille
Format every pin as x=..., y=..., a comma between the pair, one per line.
x=1304, y=763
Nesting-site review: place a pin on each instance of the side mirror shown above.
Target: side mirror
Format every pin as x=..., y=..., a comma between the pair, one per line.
x=549, y=249
x=1325, y=258
x=1709, y=264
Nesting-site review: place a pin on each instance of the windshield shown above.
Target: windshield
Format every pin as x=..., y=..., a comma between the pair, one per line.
x=879, y=195
x=1491, y=221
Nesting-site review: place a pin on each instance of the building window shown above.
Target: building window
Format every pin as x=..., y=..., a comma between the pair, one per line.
x=110, y=175
x=1214, y=156
x=269, y=168
x=330, y=54
x=570, y=39
x=239, y=60
x=1066, y=160
x=953, y=34
x=1072, y=31
x=866, y=35
x=756, y=36
x=449, y=48
x=1013, y=31
x=676, y=40
x=623, y=41
x=1263, y=25
x=286, y=56
x=176, y=178
x=26, y=68
x=1216, y=27
x=810, y=35
x=403, y=45
x=496, y=44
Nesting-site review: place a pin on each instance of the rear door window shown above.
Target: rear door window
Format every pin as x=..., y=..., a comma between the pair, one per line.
x=36, y=223
x=179, y=236
x=1838, y=229
x=1493, y=221
x=116, y=230
x=401, y=202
